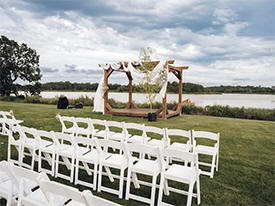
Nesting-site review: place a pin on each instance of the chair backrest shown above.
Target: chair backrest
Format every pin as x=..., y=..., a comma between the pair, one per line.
x=135, y=126
x=44, y=135
x=98, y=122
x=17, y=174
x=183, y=156
x=155, y=130
x=59, y=139
x=27, y=132
x=90, y=143
x=51, y=189
x=205, y=135
x=179, y=132
x=143, y=149
x=116, y=125
x=64, y=119
x=92, y=200
x=104, y=143
x=7, y=115
x=82, y=122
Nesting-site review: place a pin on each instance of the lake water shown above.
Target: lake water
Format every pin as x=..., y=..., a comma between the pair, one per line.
x=233, y=100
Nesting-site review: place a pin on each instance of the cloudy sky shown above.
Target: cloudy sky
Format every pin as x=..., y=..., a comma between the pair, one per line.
x=228, y=42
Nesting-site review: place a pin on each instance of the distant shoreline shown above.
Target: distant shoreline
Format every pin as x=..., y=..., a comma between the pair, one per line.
x=198, y=93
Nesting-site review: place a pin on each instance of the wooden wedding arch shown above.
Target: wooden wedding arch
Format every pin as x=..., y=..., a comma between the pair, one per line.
x=131, y=109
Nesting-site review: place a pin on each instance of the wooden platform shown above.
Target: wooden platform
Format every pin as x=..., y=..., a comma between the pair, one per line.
x=140, y=112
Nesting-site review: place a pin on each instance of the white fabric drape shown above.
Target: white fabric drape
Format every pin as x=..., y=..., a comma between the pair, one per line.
x=158, y=74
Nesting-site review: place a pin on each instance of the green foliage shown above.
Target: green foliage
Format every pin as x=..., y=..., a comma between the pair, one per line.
x=233, y=112
x=172, y=87
x=18, y=61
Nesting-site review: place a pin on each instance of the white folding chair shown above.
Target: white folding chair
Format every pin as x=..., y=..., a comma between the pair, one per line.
x=100, y=128
x=83, y=161
x=21, y=183
x=116, y=161
x=187, y=174
x=46, y=151
x=83, y=127
x=137, y=128
x=57, y=194
x=9, y=121
x=29, y=146
x=92, y=200
x=15, y=140
x=68, y=124
x=207, y=150
x=182, y=134
x=8, y=190
x=143, y=166
x=120, y=134
x=66, y=151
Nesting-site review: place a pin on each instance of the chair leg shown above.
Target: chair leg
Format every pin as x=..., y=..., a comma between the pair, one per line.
x=39, y=160
x=153, y=191
x=95, y=177
x=161, y=186
x=128, y=184
x=213, y=166
x=33, y=159
x=190, y=192
x=99, y=178
x=121, y=181
x=198, y=191
x=53, y=164
x=76, y=172
x=72, y=171
x=56, y=165
x=217, y=161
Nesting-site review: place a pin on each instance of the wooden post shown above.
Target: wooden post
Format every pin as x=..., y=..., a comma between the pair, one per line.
x=180, y=90
x=164, y=107
x=130, y=93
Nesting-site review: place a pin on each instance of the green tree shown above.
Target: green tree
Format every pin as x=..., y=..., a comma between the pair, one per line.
x=18, y=62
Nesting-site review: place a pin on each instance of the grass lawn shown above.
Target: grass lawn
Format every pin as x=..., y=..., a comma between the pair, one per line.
x=247, y=153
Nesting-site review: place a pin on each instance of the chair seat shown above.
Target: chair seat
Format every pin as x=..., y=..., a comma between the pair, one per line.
x=119, y=137
x=92, y=156
x=100, y=133
x=156, y=142
x=180, y=146
x=116, y=161
x=147, y=167
x=71, y=150
x=70, y=130
x=208, y=150
x=37, y=197
x=138, y=139
x=181, y=173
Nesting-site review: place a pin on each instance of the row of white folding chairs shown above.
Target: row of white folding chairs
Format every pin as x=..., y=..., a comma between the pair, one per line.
x=145, y=137
x=7, y=120
x=79, y=153
x=20, y=186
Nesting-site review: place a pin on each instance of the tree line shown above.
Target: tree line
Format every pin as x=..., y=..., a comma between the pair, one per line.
x=172, y=87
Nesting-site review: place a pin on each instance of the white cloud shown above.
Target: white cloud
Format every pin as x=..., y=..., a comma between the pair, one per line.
x=72, y=38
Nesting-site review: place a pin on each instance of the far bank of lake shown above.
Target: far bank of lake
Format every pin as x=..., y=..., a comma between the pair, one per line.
x=232, y=100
